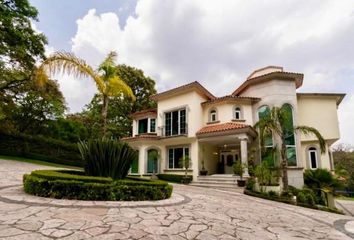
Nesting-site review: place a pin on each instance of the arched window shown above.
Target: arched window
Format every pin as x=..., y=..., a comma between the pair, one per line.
x=213, y=115
x=288, y=129
x=267, y=153
x=313, y=158
x=237, y=112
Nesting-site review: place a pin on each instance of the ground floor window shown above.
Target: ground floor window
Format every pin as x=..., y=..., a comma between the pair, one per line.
x=313, y=157
x=175, y=155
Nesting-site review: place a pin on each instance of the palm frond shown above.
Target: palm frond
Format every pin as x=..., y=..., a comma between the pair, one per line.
x=117, y=86
x=310, y=130
x=40, y=76
x=108, y=66
x=63, y=62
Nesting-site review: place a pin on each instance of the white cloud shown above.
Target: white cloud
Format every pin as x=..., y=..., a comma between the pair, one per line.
x=220, y=42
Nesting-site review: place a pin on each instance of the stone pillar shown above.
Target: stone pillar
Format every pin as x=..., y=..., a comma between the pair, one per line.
x=244, y=155
x=142, y=160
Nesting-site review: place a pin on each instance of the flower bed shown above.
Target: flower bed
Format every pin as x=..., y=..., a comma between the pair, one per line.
x=75, y=185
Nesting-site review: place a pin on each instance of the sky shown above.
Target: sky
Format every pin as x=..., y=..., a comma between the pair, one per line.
x=217, y=42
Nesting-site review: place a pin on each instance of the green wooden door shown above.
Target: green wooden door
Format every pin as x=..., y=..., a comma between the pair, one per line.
x=152, y=164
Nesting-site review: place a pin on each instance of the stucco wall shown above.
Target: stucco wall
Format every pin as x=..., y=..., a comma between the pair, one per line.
x=320, y=113
x=323, y=159
x=210, y=154
x=226, y=111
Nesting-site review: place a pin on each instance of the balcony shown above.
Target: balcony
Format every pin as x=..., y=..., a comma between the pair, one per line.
x=174, y=131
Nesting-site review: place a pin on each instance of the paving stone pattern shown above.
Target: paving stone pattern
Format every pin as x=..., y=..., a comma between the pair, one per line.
x=192, y=213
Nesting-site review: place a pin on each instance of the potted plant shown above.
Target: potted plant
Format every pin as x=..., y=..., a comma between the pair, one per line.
x=239, y=169
x=185, y=163
x=203, y=171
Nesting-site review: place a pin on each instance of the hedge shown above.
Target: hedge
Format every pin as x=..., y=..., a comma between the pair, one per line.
x=68, y=185
x=40, y=148
x=173, y=177
x=289, y=201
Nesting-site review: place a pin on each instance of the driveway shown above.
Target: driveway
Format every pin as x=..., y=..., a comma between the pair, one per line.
x=191, y=213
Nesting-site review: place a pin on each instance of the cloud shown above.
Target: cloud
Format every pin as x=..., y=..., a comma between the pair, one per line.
x=220, y=43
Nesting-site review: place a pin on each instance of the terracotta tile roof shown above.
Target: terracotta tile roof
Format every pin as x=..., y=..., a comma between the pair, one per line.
x=151, y=136
x=230, y=98
x=144, y=112
x=196, y=85
x=221, y=128
x=298, y=77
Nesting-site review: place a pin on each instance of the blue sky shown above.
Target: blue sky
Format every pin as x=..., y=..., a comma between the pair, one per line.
x=218, y=43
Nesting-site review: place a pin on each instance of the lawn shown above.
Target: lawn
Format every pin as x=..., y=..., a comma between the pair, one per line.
x=27, y=160
x=345, y=198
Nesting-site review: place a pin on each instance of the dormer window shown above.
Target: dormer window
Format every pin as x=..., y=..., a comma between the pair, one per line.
x=237, y=113
x=213, y=116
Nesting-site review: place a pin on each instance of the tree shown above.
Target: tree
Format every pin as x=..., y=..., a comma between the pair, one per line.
x=119, y=109
x=279, y=123
x=20, y=45
x=343, y=157
x=29, y=110
x=106, y=78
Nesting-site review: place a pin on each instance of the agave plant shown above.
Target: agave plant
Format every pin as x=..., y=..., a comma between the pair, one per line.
x=106, y=157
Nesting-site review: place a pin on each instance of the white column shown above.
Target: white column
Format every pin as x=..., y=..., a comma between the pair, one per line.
x=142, y=160
x=244, y=155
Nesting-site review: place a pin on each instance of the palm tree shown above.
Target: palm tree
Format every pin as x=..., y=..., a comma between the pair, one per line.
x=277, y=122
x=105, y=76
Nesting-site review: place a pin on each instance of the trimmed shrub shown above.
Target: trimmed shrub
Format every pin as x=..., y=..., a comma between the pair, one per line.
x=40, y=148
x=68, y=185
x=250, y=183
x=107, y=157
x=173, y=177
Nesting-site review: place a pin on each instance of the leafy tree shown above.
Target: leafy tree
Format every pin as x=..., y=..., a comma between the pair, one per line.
x=106, y=78
x=119, y=109
x=343, y=157
x=20, y=45
x=277, y=123
x=29, y=110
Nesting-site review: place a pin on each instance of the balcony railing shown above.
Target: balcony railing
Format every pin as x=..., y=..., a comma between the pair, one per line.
x=174, y=132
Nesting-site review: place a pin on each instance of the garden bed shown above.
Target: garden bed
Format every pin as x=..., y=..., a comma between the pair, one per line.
x=66, y=184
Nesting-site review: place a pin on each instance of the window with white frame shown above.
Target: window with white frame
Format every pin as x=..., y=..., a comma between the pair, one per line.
x=213, y=115
x=175, y=156
x=237, y=113
x=176, y=122
x=313, y=161
x=146, y=125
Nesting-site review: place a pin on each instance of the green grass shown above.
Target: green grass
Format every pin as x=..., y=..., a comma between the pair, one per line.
x=38, y=162
x=345, y=198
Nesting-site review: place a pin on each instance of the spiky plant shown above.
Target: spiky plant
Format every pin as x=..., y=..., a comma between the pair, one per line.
x=105, y=76
x=106, y=157
x=277, y=123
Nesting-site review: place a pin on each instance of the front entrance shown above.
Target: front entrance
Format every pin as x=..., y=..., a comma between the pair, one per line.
x=228, y=159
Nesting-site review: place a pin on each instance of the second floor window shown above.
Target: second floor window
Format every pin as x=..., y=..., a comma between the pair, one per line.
x=213, y=116
x=143, y=125
x=237, y=113
x=146, y=125
x=175, y=122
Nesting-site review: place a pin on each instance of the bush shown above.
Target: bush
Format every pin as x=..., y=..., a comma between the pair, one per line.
x=272, y=194
x=250, y=183
x=40, y=148
x=173, y=177
x=68, y=185
x=107, y=158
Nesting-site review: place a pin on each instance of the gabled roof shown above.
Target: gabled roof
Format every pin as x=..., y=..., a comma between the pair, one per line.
x=223, y=127
x=193, y=86
x=230, y=98
x=152, y=111
x=298, y=77
x=339, y=96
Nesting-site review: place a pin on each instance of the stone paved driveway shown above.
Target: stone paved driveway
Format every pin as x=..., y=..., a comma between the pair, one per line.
x=204, y=214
